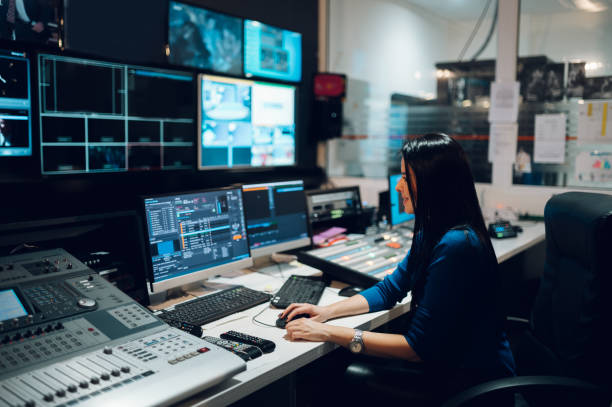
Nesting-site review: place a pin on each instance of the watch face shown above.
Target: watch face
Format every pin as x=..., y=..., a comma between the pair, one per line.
x=355, y=347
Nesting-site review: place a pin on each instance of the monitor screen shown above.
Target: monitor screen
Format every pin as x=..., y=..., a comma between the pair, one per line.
x=32, y=21
x=276, y=216
x=272, y=52
x=10, y=305
x=15, y=104
x=204, y=39
x=245, y=123
x=193, y=236
x=330, y=204
x=102, y=117
x=396, y=203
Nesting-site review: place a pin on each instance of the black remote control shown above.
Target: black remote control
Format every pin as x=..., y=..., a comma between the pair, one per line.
x=265, y=345
x=246, y=352
x=195, y=330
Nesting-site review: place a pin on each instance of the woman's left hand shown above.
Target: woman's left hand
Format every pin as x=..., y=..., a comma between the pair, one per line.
x=306, y=329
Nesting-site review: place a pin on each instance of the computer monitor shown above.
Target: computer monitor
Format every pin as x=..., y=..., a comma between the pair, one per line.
x=39, y=22
x=204, y=39
x=276, y=216
x=334, y=204
x=244, y=123
x=15, y=104
x=397, y=215
x=192, y=236
x=98, y=116
x=272, y=52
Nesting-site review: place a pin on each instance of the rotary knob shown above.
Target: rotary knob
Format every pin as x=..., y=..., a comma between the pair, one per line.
x=86, y=303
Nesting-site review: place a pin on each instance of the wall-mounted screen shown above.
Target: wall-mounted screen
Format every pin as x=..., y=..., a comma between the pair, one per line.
x=100, y=117
x=272, y=52
x=204, y=39
x=32, y=21
x=15, y=104
x=245, y=123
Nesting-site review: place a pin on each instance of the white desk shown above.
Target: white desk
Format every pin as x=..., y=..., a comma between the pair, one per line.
x=288, y=356
x=533, y=233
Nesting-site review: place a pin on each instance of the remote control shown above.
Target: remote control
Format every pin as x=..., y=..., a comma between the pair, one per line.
x=265, y=345
x=246, y=352
x=195, y=330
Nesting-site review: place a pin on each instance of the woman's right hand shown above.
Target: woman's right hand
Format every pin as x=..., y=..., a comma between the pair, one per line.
x=317, y=313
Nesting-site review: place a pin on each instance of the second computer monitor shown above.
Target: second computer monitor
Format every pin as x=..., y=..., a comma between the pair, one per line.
x=194, y=236
x=398, y=214
x=276, y=216
x=336, y=207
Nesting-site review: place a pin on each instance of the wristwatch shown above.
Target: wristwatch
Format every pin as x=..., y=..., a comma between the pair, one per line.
x=356, y=345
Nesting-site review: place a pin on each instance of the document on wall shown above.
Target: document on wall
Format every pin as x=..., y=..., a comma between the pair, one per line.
x=549, y=144
x=502, y=142
x=504, y=102
x=595, y=122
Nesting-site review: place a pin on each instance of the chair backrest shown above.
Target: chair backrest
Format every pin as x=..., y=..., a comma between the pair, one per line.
x=572, y=310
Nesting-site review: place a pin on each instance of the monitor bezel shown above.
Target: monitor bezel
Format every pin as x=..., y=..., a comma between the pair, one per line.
x=200, y=77
x=298, y=243
x=195, y=276
x=244, y=51
x=354, y=188
x=390, y=211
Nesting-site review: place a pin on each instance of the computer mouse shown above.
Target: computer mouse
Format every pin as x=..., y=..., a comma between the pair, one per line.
x=350, y=291
x=281, y=322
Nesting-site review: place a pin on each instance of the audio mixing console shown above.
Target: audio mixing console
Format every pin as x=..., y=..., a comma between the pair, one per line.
x=68, y=337
x=363, y=261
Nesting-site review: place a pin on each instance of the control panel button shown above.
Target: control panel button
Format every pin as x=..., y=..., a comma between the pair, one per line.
x=107, y=350
x=86, y=302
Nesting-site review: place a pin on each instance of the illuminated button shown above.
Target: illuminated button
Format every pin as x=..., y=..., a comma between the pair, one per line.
x=86, y=302
x=203, y=350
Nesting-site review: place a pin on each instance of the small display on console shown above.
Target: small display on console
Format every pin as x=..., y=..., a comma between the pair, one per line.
x=396, y=203
x=10, y=305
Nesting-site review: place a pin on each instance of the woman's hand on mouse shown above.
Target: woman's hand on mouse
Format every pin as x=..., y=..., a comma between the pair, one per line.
x=317, y=313
x=307, y=329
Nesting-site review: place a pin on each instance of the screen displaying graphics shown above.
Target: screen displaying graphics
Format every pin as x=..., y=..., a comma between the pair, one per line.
x=245, y=123
x=103, y=117
x=204, y=39
x=276, y=216
x=272, y=52
x=32, y=21
x=10, y=305
x=15, y=104
x=396, y=203
x=336, y=203
x=191, y=235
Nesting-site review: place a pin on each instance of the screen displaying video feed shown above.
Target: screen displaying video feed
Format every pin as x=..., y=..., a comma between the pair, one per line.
x=104, y=117
x=245, y=123
x=272, y=52
x=15, y=105
x=36, y=21
x=204, y=39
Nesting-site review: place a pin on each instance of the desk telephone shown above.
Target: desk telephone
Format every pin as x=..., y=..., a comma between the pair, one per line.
x=503, y=229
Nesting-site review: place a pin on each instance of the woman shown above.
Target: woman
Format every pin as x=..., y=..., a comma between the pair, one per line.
x=456, y=327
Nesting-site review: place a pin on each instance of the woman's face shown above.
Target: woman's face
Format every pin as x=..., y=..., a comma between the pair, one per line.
x=402, y=187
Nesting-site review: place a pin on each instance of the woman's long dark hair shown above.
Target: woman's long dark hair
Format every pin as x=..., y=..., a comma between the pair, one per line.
x=445, y=196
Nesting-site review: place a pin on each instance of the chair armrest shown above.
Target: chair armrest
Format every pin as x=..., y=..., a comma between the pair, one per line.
x=597, y=395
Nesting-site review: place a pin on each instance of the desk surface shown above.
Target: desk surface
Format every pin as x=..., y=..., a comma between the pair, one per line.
x=290, y=356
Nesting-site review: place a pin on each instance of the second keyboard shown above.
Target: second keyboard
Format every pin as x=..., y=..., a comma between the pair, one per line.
x=298, y=289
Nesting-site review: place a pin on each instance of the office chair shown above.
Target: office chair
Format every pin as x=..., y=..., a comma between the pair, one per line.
x=564, y=354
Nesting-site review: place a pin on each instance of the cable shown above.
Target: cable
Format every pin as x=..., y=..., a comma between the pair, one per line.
x=489, y=35
x=255, y=321
x=475, y=30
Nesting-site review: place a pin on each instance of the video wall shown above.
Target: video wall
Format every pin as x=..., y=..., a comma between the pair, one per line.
x=96, y=115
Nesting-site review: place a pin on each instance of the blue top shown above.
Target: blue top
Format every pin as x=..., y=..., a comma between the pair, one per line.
x=456, y=321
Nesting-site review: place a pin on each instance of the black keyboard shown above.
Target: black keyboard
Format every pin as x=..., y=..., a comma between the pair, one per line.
x=298, y=289
x=215, y=306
